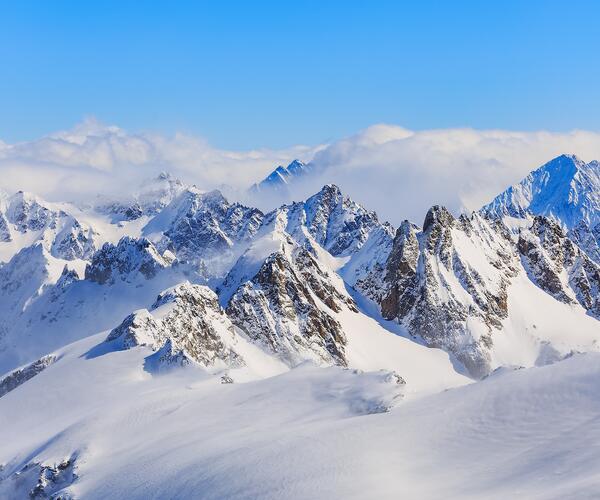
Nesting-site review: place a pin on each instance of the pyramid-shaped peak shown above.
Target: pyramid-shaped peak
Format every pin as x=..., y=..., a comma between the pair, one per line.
x=437, y=215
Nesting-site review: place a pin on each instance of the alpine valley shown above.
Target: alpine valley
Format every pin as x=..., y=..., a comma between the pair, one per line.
x=176, y=344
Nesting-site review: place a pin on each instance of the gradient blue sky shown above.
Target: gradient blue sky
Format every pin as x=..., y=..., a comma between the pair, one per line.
x=272, y=74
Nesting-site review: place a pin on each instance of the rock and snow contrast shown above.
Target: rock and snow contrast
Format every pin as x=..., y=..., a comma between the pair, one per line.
x=177, y=344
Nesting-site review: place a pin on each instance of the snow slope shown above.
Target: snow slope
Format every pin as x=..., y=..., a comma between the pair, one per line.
x=120, y=432
x=566, y=188
x=304, y=372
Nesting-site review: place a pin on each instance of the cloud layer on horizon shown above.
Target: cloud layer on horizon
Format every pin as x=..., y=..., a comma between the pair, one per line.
x=395, y=171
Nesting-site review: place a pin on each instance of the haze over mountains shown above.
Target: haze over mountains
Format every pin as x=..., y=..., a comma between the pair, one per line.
x=189, y=316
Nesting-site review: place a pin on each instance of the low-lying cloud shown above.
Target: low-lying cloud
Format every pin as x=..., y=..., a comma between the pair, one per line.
x=395, y=171
x=92, y=158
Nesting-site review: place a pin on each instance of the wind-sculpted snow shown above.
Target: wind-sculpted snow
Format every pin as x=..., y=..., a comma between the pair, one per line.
x=307, y=433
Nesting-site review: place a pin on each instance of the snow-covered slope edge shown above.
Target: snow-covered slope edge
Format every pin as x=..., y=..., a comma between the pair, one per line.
x=319, y=431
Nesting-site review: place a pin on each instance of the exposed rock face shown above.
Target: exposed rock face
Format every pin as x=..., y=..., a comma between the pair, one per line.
x=73, y=242
x=184, y=324
x=288, y=307
x=337, y=223
x=22, y=375
x=43, y=480
x=121, y=211
x=4, y=229
x=27, y=214
x=402, y=279
x=433, y=287
x=62, y=235
x=558, y=266
x=24, y=276
x=206, y=224
x=124, y=261
x=588, y=239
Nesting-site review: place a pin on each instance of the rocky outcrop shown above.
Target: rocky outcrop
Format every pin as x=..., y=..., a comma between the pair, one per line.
x=26, y=213
x=22, y=375
x=587, y=238
x=73, y=242
x=5, y=236
x=185, y=324
x=125, y=261
x=435, y=289
x=289, y=308
x=336, y=222
x=42, y=480
x=206, y=225
x=558, y=266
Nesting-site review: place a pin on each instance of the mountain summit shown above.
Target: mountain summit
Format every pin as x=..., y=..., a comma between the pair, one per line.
x=281, y=177
x=566, y=189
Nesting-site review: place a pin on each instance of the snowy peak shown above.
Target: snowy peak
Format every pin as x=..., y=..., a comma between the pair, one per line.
x=185, y=324
x=438, y=215
x=566, y=189
x=281, y=177
x=26, y=219
x=435, y=287
x=204, y=225
x=126, y=261
x=289, y=308
x=336, y=222
x=27, y=213
x=148, y=199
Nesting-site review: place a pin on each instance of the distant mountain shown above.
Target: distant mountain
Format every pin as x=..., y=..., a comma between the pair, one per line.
x=280, y=179
x=565, y=189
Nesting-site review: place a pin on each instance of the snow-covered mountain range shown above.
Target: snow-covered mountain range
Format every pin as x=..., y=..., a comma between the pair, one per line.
x=200, y=322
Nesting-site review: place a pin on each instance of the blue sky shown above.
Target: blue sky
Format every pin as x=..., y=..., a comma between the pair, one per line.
x=273, y=74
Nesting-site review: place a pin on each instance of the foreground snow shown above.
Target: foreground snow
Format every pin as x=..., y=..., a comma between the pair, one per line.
x=310, y=432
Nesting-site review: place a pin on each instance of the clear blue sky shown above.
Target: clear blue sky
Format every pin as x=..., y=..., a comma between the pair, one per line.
x=251, y=74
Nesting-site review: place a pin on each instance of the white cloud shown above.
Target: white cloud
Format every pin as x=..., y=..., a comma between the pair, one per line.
x=400, y=174
x=93, y=158
x=395, y=171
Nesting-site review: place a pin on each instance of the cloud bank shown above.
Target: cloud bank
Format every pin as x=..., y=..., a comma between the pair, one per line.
x=93, y=158
x=397, y=172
